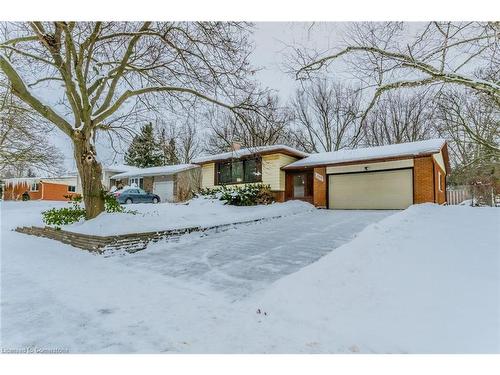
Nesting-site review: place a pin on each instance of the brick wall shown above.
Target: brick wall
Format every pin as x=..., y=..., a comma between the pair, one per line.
x=279, y=196
x=53, y=192
x=46, y=191
x=423, y=180
x=319, y=187
x=439, y=174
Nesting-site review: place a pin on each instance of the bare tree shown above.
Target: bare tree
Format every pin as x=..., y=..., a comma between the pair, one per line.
x=268, y=127
x=108, y=70
x=400, y=117
x=24, y=143
x=471, y=123
x=189, y=145
x=180, y=142
x=443, y=53
x=326, y=116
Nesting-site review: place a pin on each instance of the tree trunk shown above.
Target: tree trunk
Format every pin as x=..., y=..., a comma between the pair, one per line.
x=90, y=172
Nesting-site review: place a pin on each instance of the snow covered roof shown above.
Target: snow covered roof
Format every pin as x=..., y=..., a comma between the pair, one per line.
x=18, y=181
x=119, y=168
x=429, y=146
x=250, y=151
x=164, y=170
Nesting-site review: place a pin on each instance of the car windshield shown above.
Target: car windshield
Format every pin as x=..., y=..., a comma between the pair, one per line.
x=141, y=191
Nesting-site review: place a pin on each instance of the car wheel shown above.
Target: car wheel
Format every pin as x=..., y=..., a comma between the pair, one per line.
x=155, y=200
x=128, y=200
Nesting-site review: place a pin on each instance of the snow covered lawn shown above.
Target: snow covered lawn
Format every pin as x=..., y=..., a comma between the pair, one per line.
x=197, y=212
x=424, y=280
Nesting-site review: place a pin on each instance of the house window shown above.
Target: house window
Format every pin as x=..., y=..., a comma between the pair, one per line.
x=138, y=181
x=71, y=188
x=35, y=186
x=239, y=171
x=440, y=185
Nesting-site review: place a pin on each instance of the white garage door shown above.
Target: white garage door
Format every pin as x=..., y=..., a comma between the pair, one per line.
x=165, y=189
x=371, y=190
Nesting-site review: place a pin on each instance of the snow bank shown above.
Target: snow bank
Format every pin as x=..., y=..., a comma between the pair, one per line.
x=197, y=212
x=426, y=280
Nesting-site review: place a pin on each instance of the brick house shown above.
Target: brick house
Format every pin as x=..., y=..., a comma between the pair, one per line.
x=384, y=177
x=51, y=188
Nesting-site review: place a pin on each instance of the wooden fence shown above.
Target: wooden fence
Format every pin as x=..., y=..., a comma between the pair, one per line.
x=457, y=196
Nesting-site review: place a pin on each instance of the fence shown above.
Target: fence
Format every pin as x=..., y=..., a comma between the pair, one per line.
x=457, y=196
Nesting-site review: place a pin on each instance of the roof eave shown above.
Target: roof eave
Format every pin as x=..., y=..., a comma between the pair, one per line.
x=126, y=175
x=350, y=162
x=297, y=155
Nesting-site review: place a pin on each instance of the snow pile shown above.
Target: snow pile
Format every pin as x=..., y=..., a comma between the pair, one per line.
x=402, y=149
x=249, y=151
x=426, y=280
x=197, y=212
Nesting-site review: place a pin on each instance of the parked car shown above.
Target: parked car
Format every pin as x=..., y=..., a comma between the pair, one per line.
x=135, y=195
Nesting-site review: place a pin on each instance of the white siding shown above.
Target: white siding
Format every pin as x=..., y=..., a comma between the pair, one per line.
x=271, y=170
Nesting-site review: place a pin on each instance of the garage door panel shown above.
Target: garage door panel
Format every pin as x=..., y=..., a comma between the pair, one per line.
x=165, y=189
x=371, y=190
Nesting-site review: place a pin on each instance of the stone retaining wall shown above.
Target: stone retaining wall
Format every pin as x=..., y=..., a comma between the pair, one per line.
x=131, y=242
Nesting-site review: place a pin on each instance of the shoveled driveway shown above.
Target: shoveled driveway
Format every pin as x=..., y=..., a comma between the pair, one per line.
x=244, y=259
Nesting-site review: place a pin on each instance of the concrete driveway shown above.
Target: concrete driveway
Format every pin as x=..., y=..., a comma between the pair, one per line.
x=247, y=258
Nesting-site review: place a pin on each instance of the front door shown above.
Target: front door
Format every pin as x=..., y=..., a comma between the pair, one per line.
x=299, y=185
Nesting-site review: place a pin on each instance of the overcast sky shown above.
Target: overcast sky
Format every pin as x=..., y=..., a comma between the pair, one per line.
x=273, y=41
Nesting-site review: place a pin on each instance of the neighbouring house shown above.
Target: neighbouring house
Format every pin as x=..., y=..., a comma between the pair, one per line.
x=38, y=188
x=260, y=164
x=107, y=172
x=384, y=177
x=173, y=183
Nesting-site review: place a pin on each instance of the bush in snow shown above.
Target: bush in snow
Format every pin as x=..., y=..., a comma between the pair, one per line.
x=247, y=195
x=65, y=215
x=74, y=213
x=111, y=204
x=209, y=193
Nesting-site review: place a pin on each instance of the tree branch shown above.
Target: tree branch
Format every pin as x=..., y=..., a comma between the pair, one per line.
x=489, y=88
x=101, y=116
x=20, y=90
